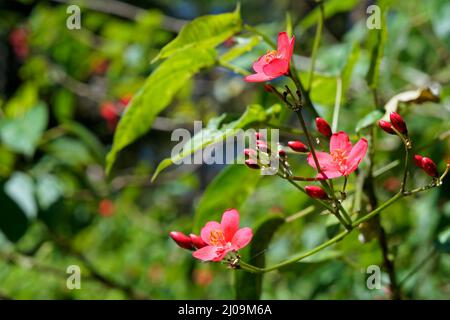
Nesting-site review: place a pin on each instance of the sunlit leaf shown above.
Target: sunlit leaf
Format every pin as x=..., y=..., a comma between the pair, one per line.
x=216, y=132
x=206, y=31
x=156, y=94
x=368, y=120
x=20, y=188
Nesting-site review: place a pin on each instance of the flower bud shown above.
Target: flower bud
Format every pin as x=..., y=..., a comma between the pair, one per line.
x=252, y=164
x=297, y=146
x=323, y=127
x=268, y=88
x=386, y=126
x=398, y=123
x=282, y=153
x=259, y=135
x=429, y=167
x=316, y=192
x=261, y=144
x=197, y=241
x=418, y=160
x=249, y=152
x=181, y=240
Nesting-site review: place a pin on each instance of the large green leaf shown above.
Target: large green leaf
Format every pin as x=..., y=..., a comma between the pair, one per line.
x=156, y=94
x=248, y=285
x=244, y=46
x=206, y=31
x=228, y=190
x=216, y=132
x=23, y=133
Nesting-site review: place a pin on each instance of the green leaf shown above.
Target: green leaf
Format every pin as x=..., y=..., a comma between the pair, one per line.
x=248, y=285
x=368, y=120
x=22, y=134
x=206, y=31
x=20, y=188
x=229, y=189
x=155, y=96
x=377, y=49
x=241, y=48
x=13, y=221
x=215, y=132
x=69, y=151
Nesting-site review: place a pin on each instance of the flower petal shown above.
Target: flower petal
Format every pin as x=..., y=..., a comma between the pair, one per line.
x=356, y=155
x=329, y=175
x=340, y=141
x=230, y=223
x=221, y=254
x=206, y=231
x=258, y=65
x=276, y=68
x=283, y=43
x=242, y=238
x=258, y=77
x=325, y=161
x=207, y=253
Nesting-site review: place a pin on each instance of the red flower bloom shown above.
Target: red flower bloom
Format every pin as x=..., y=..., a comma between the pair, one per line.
x=106, y=208
x=274, y=63
x=343, y=158
x=223, y=237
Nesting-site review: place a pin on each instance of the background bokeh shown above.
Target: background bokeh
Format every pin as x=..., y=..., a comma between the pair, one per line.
x=62, y=92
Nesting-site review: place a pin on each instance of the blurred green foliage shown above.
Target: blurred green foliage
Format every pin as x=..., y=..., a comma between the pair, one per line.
x=58, y=208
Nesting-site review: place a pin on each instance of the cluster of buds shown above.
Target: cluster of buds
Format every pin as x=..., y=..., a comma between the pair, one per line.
x=110, y=111
x=397, y=124
x=191, y=242
x=427, y=165
x=262, y=156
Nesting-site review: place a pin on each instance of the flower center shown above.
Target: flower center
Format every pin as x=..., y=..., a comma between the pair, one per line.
x=271, y=55
x=217, y=238
x=340, y=158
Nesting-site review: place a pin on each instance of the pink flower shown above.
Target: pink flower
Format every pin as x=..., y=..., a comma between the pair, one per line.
x=343, y=158
x=274, y=63
x=223, y=237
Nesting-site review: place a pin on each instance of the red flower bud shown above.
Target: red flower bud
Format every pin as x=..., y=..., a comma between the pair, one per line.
x=261, y=144
x=282, y=153
x=323, y=127
x=268, y=88
x=398, y=122
x=297, y=146
x=429, y=167
x=259, y=135
x=316, y=192
x=181, y=240
x=386, y=126
x=197, y=241
x=252, y=164
x=249, y=152
x=418, y=160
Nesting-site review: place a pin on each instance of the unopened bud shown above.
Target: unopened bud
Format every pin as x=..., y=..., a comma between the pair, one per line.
x=252, y=164
x=282, y=153
x=197, y=241
x=398, y=123
x=323, y=127
x=297, y=146
x=259, y=135
x=268, y=88
x=261, y=144
x=418, y=160
x=316, y=192
x=181, y=240
x=429, y=167
x=249, y=152
x=386, y=126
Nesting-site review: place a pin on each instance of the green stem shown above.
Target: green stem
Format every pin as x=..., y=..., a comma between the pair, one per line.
x=315, y=49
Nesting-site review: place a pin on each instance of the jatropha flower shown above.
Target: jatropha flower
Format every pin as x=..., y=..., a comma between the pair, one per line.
x=343, y=158
x=222, y=238
x=274, y=63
